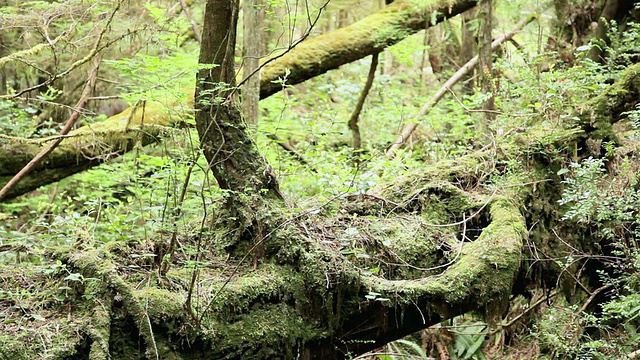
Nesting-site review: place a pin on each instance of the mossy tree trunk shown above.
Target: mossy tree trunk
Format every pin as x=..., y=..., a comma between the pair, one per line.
x=232, y=155
x=307, y=298
x=363, y=38
x=229, y=148
x=580, y=22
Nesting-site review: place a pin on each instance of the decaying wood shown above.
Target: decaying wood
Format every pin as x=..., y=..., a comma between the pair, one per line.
x=370, y=35
x=353, y=120
x=86, y=92
x=306, y=299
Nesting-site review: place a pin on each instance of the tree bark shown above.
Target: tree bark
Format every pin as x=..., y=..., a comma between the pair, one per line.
x=229, y=148
x=252, y=12
x=485, y=62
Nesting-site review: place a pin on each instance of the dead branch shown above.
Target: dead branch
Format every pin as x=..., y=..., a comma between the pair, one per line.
x=353, y=121
x=410, y=127
x=86, y=93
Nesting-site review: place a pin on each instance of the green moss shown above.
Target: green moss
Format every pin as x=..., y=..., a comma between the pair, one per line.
x=99, y=315
x=32, y=325
x=161, y=305
x=263, y=334
x=269, y=283
x=85, y=146
x=605, y=109
x=367, y=36
x=484, y=272
x=55, y=339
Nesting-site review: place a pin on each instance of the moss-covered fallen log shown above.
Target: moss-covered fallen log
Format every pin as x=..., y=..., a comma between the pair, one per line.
x=599, y=114
x=86, y=146
x=311, y=297
x=314, y=294
x=370, y=35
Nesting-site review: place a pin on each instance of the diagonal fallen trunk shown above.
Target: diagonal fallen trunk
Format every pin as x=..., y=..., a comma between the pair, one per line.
x=83, y=148
x=408, y=129
x=365, y=37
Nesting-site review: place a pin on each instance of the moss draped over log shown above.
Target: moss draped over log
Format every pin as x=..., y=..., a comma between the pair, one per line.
x=599, y=114
x=306, y=299
x=86, y=146
x=365, y=37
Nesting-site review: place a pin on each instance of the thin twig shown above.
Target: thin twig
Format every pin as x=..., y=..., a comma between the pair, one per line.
x=289, y=48
x=526, y=311
x=96, y=49
x=33, y=50
x=593, y=296
x=165, y=266
x=290, y=149
x=70, y=122
x=194, y=25
x=426, y=108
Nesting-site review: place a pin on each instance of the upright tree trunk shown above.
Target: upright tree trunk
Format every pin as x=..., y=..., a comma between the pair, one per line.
x=232, y=155
x=229, y=149
x=579, y=22
x=486, y=61
x=609, y=12
x=468, y=46
x=251, y=35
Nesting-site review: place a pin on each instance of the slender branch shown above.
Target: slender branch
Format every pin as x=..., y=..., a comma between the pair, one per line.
x=353, y=121
x=593, y=296
x=410, y=127
x=70, y=122
x=194, y=25
x=289, y=48
x=166, y=265
x=95, y=50
x=32, y=51
x=289, y=148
